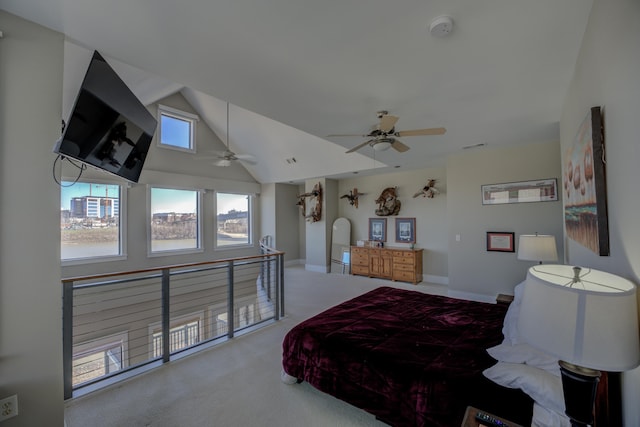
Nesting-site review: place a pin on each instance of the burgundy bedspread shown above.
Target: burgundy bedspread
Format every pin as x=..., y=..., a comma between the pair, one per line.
x=409, y=358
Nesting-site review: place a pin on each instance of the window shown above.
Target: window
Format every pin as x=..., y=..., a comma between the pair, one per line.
x=179, y=337
x=175, y=220
x=90, y=220
x=245, y=315
x=177, y=129
x=100, y=357
x=233, y=214
x=185, y=331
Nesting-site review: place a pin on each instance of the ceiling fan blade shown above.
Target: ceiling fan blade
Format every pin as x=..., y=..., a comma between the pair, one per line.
x=418, y=132
x=345, y=134
x=247, y=158
x=357, y=147
x=387, y=123
x=399, y=146
x=216, y=154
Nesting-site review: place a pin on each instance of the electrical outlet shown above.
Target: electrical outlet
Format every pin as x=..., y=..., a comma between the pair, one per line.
x=8, y=407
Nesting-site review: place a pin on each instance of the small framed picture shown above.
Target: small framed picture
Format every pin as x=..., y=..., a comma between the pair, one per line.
x=405, y=230
x=378, y=229
x=500, y=241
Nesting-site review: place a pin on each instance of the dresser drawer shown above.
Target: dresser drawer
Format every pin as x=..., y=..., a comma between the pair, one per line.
x=403, y=267
x=406, y=259
x=404, y=276
x=359, y=259
x=360, y=269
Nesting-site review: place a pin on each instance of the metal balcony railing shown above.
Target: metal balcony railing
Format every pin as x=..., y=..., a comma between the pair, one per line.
x=117, y=323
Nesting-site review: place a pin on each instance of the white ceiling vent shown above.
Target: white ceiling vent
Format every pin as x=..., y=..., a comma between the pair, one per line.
x=441, y=26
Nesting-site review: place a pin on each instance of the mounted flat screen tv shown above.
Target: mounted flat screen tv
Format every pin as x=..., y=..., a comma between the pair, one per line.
x=109, y=128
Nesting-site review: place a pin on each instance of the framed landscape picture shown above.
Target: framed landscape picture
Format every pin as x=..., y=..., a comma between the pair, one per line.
x=541, y=190
x=405, y=230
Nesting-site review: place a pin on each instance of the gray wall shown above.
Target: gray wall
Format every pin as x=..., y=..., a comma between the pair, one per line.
x=316, y=232
x=31, y=59
x=472, y=269
x=174, y=169
x=281, y=218
x=608, y=75
x=430, y=214
x=268, y=212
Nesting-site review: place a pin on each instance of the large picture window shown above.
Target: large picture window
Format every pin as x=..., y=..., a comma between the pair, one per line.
x=90, y=220
x=233, y=214
x=175, y=220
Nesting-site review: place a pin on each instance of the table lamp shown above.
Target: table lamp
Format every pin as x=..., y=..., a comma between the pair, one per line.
x=537, y=247
x=589, y=320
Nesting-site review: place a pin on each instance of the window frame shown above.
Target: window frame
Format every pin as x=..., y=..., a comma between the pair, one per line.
x=175, y=322
x=199, y=237
x=177, y=114
x=122, y=232
x=102, y=344
x=250, y=221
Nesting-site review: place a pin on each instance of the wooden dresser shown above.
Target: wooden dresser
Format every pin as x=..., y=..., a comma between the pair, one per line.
x=400, y=264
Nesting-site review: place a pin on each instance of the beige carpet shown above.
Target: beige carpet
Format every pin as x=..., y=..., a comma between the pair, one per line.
x=237, y=383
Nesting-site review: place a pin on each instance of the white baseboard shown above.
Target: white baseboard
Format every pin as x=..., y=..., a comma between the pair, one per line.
x=293, y=262
x=471, y=296
x=317, y=268
x=440, y=280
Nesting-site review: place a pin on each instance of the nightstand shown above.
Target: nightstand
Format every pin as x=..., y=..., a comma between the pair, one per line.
x=470, y=418
x=504, y=299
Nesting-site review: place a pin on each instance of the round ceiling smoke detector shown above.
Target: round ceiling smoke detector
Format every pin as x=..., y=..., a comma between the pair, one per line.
x=441, y=26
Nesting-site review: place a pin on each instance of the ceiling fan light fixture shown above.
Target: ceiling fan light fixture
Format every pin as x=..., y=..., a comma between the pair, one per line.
x=382, y=145
x=224, y=163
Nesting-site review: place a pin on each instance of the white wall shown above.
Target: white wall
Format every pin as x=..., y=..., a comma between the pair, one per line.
x=472, y=269
x=608, y=75
x=31, y=59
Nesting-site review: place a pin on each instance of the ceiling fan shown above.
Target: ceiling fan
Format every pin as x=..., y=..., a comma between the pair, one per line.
x=382, y=137
x=224, y=158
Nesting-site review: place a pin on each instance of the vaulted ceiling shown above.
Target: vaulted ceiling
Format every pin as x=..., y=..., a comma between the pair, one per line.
x=296, y=71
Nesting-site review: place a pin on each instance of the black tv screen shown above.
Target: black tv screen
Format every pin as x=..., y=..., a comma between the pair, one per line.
x=109, y=128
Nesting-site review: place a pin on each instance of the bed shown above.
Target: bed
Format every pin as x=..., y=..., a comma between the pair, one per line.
x=409, y=358
x=413, y=359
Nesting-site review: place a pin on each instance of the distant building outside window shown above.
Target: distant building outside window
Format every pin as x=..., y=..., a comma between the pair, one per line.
x=90, y=220
x=177, y=129
x=234, y=216
x=175, y=220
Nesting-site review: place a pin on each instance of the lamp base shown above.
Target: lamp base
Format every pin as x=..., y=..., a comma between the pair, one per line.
x=579, y=387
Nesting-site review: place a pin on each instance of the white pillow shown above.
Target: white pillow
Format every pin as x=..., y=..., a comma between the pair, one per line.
x=543, y=387
x=544, y=417
x=525, y=353
x=510, y=325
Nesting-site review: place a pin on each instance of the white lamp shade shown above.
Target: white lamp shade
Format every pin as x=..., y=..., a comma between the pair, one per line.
x=537, y=247
x=592, y=323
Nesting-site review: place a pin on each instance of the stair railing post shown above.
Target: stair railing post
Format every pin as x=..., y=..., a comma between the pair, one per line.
x=230, y=298
x=166, y=316
x=67, y=338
